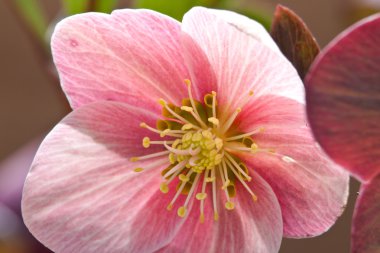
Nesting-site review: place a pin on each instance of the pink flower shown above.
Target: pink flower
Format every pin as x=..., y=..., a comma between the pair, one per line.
x=184, y=137
x=343, y=98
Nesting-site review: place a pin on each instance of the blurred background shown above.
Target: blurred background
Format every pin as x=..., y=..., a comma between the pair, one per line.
x=31, y=101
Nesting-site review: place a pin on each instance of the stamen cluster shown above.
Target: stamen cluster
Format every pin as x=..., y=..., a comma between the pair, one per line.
x=200, y=152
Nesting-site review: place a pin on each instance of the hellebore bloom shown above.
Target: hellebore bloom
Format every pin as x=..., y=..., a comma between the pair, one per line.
x=184, y=137
x=343, y=104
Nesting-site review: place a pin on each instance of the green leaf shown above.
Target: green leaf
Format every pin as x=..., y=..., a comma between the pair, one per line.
x=34, y=17
x=76, y=6
x=175, y=9
x=294, y=39
x=106, y=6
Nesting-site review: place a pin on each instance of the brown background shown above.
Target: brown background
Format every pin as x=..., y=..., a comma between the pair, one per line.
x=31, y=104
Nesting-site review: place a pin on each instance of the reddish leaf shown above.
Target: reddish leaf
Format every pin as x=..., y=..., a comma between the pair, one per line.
x=343, y=98
x=294, y=39
x=366, y=222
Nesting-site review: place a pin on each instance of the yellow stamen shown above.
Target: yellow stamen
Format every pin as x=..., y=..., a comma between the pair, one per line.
x=138, y=158
x=229, y=205
x=182, y=211
x=230, y=120
x=198, y=141
x=164, y=188
x=146, y=142
x=214, y=121
x=237, y=137
x=201, y=196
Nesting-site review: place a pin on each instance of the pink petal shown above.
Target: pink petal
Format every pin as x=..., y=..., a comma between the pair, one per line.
x=201, y=72
x=120, y=57
x=254, y=227
x=82, y=195
x=366, y=221
x=241, y=63
x=253, y=29
x=312, y=191
x=343, y=97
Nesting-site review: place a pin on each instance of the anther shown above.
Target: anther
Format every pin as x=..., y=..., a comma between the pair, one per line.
x=187, y=108
x=133, y=159
x=138, y=169
x=187, y=127
x=181, y=211
x=146, y=142
x=187, y=82
x=214, y=121
x=183, y=178
x=229, y=205
x=165, y=132
x=201, y=195
x=162, y=102
x=164, y=188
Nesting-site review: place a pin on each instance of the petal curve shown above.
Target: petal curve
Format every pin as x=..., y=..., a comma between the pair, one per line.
x=366, y=221
x=343, y=98
x=240, y=62
x=254, y=227
x=82, y=195
x=312, y=191
x=119, y=57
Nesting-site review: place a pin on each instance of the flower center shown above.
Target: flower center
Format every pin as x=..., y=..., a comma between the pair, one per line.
x=201, y=152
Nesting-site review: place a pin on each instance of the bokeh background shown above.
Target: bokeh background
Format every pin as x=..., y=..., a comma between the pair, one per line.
x=31, y=103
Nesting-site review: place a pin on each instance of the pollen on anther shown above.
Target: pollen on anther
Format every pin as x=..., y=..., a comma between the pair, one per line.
x=162, y=102
x=146, y=142
x=181, y=211
x=138, y=169
x=214, y=121
x=183, y=178
x=187, y=82
x=143, y=125
x=187, y=127
x=229, y=205
x=187, y=108
x=164, y=187
x=201, y=196
x=133, y=159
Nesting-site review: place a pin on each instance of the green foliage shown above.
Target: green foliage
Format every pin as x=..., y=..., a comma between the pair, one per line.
x=105, y=6
x=177, y=8
x=33, y=15
x=75, y=6
x=173, y=8
x=80, y=6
